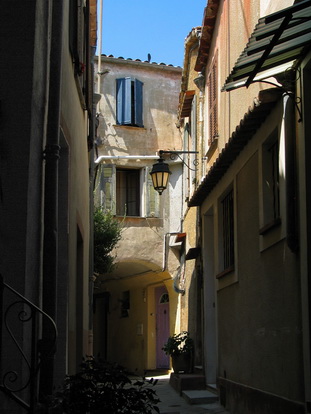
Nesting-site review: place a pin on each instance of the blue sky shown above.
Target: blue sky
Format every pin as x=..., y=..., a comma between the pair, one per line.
x=134, y=28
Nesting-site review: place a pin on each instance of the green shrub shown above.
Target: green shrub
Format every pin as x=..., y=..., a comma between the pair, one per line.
x=179, y=344
x=100, y=387
x=107, y=233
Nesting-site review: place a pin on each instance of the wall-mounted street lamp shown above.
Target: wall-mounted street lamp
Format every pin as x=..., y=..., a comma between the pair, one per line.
x=160, y=171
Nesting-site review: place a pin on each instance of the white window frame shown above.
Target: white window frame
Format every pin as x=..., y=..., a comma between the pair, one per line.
x=272, y=230
x=149, y=203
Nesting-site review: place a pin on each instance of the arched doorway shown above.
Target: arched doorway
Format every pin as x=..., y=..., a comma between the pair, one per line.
x=162, y=326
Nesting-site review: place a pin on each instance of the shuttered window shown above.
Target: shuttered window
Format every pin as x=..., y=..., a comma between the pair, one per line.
x=270, y=182
x=129, y=102
x=213, y=104
x=228, y=230
x=186, y=173
x=193, y=142
x=126, y=192
x=78, y=40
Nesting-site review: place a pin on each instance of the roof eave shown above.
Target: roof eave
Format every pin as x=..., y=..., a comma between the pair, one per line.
x=244, y=132
x=208, y=25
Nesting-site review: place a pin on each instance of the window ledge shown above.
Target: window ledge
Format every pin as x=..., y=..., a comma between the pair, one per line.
x=130, y=127
x=225, y=272
x=268, y=227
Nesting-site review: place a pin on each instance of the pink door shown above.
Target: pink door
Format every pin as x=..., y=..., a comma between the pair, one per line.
x=162, y=325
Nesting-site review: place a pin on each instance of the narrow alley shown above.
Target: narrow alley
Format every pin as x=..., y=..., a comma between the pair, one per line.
x=192, y=402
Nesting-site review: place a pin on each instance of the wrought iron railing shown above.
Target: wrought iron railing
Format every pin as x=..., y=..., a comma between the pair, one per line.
x=20, y=351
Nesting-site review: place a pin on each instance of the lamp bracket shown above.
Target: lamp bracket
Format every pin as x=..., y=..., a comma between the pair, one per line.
x=174, y=154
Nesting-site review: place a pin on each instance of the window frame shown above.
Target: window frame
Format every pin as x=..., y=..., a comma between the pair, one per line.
x=105, y=190
x=272, y=229
x=226, y=267
x=226, y=232
x=78, y=30
x=270, y=179
x=126, y=186
x=125, y=304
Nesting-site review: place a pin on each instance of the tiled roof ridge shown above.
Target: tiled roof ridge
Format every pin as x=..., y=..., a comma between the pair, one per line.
x=139, y=60
x=243, y=133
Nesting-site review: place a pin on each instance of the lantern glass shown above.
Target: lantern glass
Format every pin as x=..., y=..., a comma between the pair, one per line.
x=160, y=174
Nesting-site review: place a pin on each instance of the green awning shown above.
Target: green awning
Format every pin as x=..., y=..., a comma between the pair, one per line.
x=277, y=41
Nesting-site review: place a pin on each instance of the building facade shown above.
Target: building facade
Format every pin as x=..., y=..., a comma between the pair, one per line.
x=137, y=300
x=47, y=131
x=249, y=202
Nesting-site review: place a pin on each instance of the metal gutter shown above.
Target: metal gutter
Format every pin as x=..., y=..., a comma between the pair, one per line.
x=126, y=157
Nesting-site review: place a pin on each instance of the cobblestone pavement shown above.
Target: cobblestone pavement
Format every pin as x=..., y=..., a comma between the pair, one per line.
x=173, y=403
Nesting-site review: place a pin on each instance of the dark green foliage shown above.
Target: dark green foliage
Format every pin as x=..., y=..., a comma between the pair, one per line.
x=100, y=387
x=179, y=344
x=107, y=233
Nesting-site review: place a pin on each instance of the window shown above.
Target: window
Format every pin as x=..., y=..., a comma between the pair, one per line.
x=127, y=194
x=78, y=40
x=186, y=172
x=125, y=304
x=227, y=232
x=126, y=191
x=130, y=102
x=164, y=298
x=270, y=183
x=212, y=104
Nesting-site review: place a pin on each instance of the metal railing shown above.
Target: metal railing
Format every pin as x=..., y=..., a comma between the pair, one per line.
x=20, y=351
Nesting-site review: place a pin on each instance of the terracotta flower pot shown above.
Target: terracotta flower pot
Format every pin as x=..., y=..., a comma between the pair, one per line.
x=182, y=363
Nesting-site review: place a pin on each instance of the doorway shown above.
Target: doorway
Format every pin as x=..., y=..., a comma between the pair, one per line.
x=162, y=326
x=100, y=324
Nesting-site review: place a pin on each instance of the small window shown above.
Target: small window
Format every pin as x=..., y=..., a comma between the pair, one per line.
x=227, y=233
x=129, y=102
x=125, y=304
x=164, y=298
x=270, y=183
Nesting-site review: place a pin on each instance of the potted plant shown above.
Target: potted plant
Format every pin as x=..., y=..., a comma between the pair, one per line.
x=180, y=348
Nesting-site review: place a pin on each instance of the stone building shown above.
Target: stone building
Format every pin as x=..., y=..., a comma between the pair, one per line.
x=247, y=227
x=136, y=306
x=47, y=131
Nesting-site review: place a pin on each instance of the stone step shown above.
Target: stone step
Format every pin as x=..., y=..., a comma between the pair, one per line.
x=181, y=382
x=199, y=396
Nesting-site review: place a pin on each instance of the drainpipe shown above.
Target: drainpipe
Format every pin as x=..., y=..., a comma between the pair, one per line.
x=96, y=99
x=50, y=242
x=100, y=30
x=290, y=165
x=126, y=157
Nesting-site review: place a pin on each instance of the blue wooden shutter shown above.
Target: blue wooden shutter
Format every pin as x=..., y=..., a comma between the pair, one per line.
x=120, y=88
x=138, y=102
x=124, y=99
